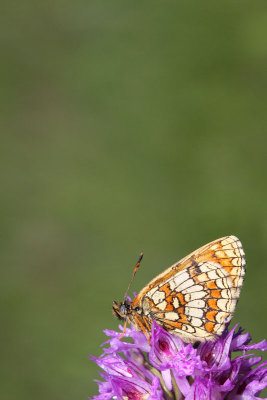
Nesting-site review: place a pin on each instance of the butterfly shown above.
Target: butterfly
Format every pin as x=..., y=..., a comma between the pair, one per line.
x=194, y=298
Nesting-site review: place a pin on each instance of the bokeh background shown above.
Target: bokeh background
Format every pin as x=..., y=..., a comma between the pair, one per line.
x=125, y=126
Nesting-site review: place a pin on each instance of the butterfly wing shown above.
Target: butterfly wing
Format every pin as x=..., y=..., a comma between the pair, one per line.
x=196, y=297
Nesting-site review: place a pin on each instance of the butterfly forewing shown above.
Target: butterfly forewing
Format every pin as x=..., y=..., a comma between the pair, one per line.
x=196, y=297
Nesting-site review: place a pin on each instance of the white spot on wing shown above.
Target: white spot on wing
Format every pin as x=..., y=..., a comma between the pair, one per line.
x=230, y=253
x=196, y=321
x=176, y=302
x=162, y=305
x=194, y=288
x=194, y=312
x=208, y=266
x=179, y=279
x=202, y=277
x=158, y=296
x=198, y=295
x=188, y=328
x=185, y=285
x=236, y=262
x=226, y=304
x=226, y=293
x=213, y=275
x=194, y=296
x=196, y=303
x=224, y=283
x=219, y=328
x=237, y=271
x=219, y=254
x=172, y=316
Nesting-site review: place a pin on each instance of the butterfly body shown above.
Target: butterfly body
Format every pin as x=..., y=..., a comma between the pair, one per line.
x=195, y=297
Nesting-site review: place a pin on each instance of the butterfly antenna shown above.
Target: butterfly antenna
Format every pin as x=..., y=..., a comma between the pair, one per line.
x=134, y=272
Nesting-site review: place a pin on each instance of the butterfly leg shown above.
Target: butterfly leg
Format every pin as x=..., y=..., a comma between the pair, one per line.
x=124, y=330
x=143, y=326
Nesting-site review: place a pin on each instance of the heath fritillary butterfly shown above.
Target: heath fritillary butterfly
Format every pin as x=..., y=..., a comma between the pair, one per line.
x=195, y=297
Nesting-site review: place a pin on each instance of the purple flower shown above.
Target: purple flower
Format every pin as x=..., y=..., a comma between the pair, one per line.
x=169, y=369
x=169, y=354
x=201, y=389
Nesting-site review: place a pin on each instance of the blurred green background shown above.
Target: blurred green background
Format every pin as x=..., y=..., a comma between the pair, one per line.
x=125, y=126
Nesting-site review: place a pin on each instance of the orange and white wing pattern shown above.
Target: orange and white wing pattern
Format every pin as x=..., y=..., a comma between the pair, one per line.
x=196, y=297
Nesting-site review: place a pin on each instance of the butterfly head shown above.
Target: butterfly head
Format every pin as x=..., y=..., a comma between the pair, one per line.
x=121, y=309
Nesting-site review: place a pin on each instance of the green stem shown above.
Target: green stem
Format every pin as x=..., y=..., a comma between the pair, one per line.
x=164, y=387
x=178, y=394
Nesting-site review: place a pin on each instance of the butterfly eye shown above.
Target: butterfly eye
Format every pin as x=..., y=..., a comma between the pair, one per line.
x=123, y=309
x=137, y=309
